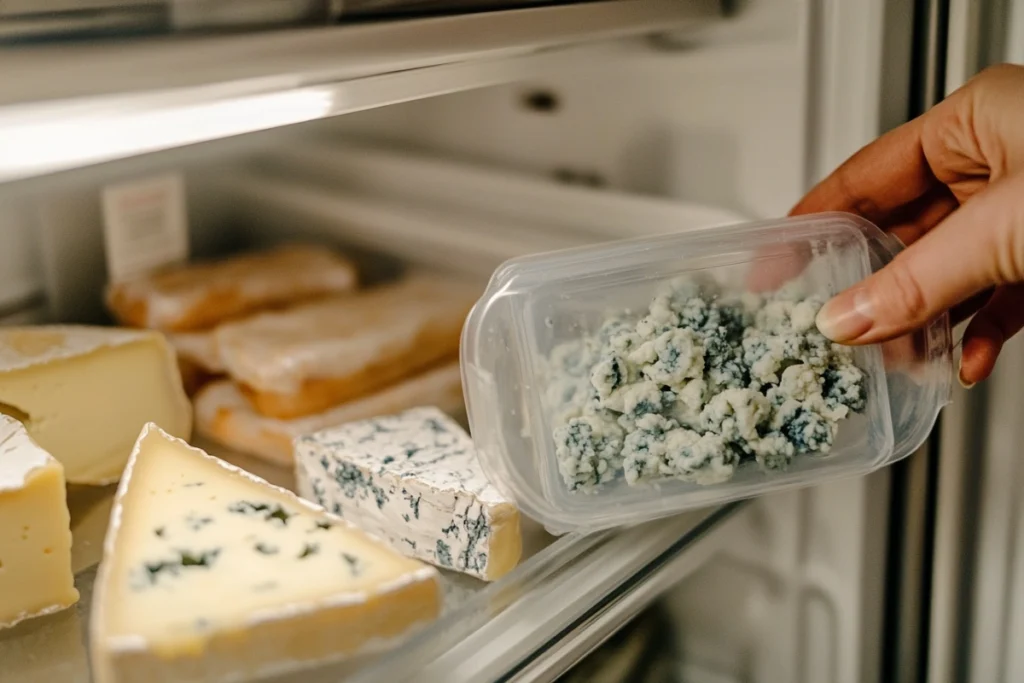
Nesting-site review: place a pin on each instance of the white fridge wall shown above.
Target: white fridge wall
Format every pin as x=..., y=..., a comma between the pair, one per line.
x=720, y=125
x=21, y=285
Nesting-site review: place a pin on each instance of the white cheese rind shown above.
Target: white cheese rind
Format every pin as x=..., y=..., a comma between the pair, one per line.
x=212, y=574
x=415, y=480
x=19, y=454
x=25, y=347
x=84, y=392
x=35, y=536
x=225, y=415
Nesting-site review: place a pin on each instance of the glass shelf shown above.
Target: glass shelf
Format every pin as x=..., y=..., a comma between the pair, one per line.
x=569, y=593
x=147, y=95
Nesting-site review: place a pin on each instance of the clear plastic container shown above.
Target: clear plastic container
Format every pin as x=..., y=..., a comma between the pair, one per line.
x=539, y=311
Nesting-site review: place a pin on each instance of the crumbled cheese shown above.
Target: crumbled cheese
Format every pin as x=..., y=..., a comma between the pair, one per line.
x=800, y=381
x=696, y=384
x=736, y=414
x=679, y=356
x=660, y=448
x=589, y=451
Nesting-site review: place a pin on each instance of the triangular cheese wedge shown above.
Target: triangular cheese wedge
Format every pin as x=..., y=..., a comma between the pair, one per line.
x=35, y=539
x=210, y=572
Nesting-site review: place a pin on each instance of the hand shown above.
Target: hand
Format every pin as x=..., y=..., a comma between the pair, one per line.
x=950, y=185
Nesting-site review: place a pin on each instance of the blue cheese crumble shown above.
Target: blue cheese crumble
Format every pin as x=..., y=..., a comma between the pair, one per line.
x=696, y=385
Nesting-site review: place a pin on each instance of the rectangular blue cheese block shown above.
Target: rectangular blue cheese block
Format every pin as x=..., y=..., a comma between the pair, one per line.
x=415, y=480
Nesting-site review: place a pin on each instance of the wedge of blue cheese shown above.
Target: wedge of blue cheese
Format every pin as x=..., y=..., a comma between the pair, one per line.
x=210, y=574
x=415, y=480
x=696, y=385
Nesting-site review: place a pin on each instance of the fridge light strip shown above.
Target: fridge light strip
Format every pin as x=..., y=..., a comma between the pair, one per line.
x=29, y=148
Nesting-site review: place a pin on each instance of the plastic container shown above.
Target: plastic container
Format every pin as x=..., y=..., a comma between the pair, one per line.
x=514, y=350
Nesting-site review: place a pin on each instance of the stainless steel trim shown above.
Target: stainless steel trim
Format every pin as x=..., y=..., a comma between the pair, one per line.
x=915, y=480
x=624, y=604
x=535, y=630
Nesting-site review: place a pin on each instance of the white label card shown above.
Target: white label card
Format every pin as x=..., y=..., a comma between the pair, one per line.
x=145, y=225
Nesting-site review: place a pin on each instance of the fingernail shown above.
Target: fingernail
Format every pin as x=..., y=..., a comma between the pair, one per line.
x=846, y=316
x=960, y=377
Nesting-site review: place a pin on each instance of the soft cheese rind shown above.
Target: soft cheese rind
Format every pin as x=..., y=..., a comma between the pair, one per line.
x=312, y=357
x=35, y=535
x=211, y=574
x=84, y=392
x=200, y=295
x=414, y=479
x=225, y=415
x=19, y=455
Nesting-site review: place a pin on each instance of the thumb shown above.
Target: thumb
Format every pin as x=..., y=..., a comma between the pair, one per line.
x=978, y=246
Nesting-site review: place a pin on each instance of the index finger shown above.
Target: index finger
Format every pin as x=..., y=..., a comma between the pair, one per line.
x=879, y=179
x=878, y=182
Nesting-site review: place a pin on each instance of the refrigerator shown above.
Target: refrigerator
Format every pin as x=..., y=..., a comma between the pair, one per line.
x=456, y=136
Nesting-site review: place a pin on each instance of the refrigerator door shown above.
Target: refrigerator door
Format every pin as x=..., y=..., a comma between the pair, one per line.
x=975, y=613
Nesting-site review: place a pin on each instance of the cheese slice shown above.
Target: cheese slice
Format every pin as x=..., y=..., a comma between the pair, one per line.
x=312, y=357
x=224, y=415
x=414, y=479
x=200, y=295
x=35, y=534
x=210, y=573
x=198, y=348
x=198, y=359
x=84, y=393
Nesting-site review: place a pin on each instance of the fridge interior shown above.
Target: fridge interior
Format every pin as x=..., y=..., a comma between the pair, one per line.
x=705, y=122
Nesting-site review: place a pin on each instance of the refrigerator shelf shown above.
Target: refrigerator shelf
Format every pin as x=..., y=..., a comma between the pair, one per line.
x=430, y=211
x=151, y=95
x=567, y=595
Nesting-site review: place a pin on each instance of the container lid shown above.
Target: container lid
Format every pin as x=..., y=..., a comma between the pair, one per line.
x=620, y=382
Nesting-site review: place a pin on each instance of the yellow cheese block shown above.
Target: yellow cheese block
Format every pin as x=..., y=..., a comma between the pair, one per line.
x=35, y=536
x=210, y=572
x=84, y=393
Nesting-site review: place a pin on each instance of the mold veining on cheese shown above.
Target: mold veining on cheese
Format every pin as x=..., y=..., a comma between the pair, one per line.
x=414, y=479
x=696, y=385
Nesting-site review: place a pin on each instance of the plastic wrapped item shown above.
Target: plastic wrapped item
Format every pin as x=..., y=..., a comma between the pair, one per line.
x=226, y=416
x=621, y=382
x=200, y=295
x=198, y=359
x=313, y=357
x=198, y=348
